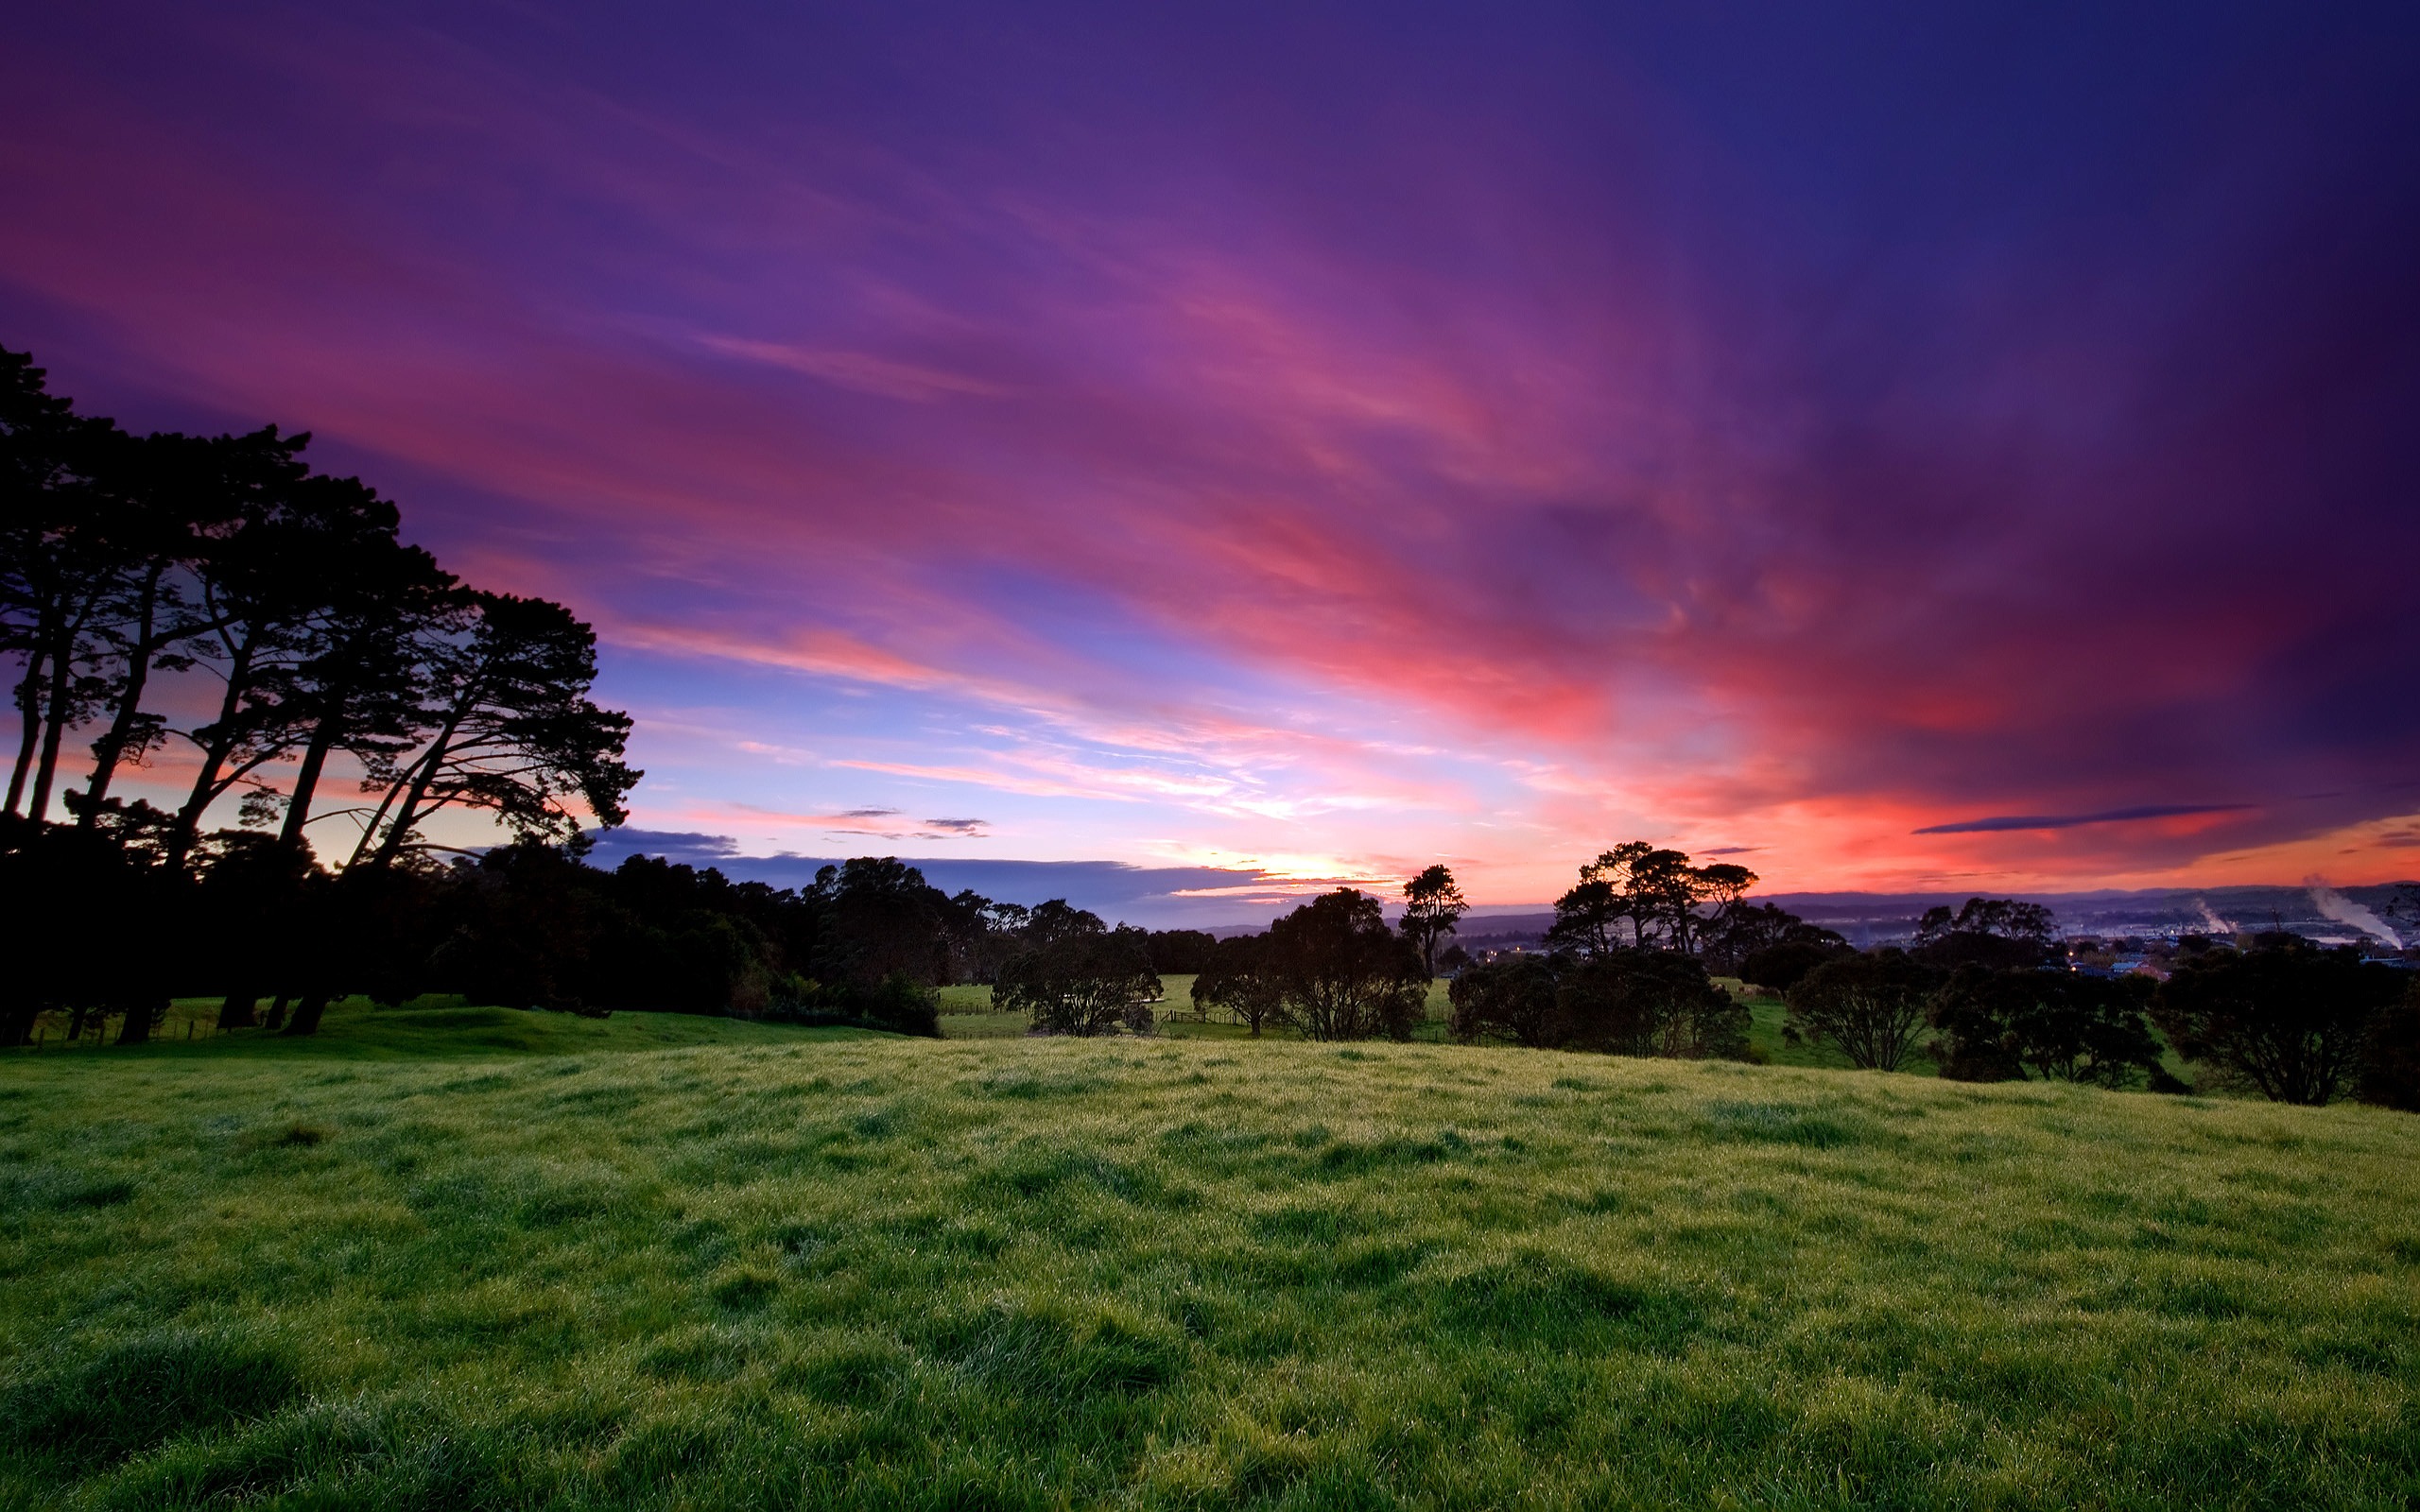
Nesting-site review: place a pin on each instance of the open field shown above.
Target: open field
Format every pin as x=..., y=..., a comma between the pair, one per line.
x=461, y=1258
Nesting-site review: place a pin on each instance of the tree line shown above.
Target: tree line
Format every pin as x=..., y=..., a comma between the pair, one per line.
x=1983, y=990
x=214, y=609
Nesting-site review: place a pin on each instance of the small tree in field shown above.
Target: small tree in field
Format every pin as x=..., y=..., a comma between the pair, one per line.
x=1871, y=1007
x=1082, y=978
x=2289, y=1018
x=2391, y=1060
x=1239, y=980
x=1648, y=1002
x=1432, y=906
x=1515, y=998
x=2056, y=1025
x=1344, y=974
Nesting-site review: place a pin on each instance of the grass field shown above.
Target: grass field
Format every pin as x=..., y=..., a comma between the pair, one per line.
x=448, y=1258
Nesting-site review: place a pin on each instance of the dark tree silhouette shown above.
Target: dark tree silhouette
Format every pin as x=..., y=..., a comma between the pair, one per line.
x=1871, y=1007
x=1432, y=908
x=2001, y=1025
x=1240, y=980
x=1998, y=933
x=2289, y=1018
x=1078, y=976
x=511, y=731
x=1512, y=999
x=1648, y=1002
x=1343, y=975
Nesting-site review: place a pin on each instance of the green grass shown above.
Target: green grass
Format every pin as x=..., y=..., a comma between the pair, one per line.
x=652, y=1262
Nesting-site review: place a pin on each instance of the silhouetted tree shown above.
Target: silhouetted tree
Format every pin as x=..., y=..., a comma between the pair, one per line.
x=2289, y=1018
x=2057, y=1025
x=1181, y=952
x=1432, y=908
x=2390, y=1074
x=1078, y=976
x=1343, y=973
x=1997, y=933
x=1872, y=1006
x=1512, y=998
x=1778, y=968
x=512, y=731
x=1648, y=1002
x=1240, y=981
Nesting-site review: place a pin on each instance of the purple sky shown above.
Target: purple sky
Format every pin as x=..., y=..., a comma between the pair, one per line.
x=1923, y=447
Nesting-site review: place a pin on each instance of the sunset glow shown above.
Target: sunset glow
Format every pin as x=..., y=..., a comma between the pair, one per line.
x=1317, y=449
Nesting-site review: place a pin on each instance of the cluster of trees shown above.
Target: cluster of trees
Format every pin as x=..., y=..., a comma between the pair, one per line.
x=214, y=598
x=1983, y=991
x=1631, y=958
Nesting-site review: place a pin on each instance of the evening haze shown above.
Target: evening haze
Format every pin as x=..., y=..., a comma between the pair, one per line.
x=1912, y=449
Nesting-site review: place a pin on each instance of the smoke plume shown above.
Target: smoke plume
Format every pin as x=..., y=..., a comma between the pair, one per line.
x=2344, y=910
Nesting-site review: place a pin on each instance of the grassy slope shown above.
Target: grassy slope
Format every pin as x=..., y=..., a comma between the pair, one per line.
x=401, y=1268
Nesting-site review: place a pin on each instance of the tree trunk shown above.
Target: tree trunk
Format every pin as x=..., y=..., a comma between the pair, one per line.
x=62, y=670
x=110, y=748
x=29, y=725
x=276, y=1018
x=17, y=1022
x=76, y=1018
x=214, y=756
x=141, y=1013
x=237, y=1012
x=308, y=1013
x=306, y=780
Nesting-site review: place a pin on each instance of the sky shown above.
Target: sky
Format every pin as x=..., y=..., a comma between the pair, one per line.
x=1252, y=447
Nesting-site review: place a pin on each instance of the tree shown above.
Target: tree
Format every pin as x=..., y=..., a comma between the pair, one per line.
x=878, y=917
x=2291, y=1017
x=1080, y=977
x=1181, y=952
x=1648, y=1002
x=1655, y=891
x=1999, y=933
x=1872, y=1006
x=1432, y=906
x=1739, y=930
x=1588, y=918
x=60, y=555
x=1778, y=968
x=511, y=731
x=2391, y=1060
x=1513, y=998
x=1239, y=980
x=1343, y=973
x=285, y=541
x=2002, y=1025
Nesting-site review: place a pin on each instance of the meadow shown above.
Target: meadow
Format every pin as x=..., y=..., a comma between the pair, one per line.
x=467, y=1256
